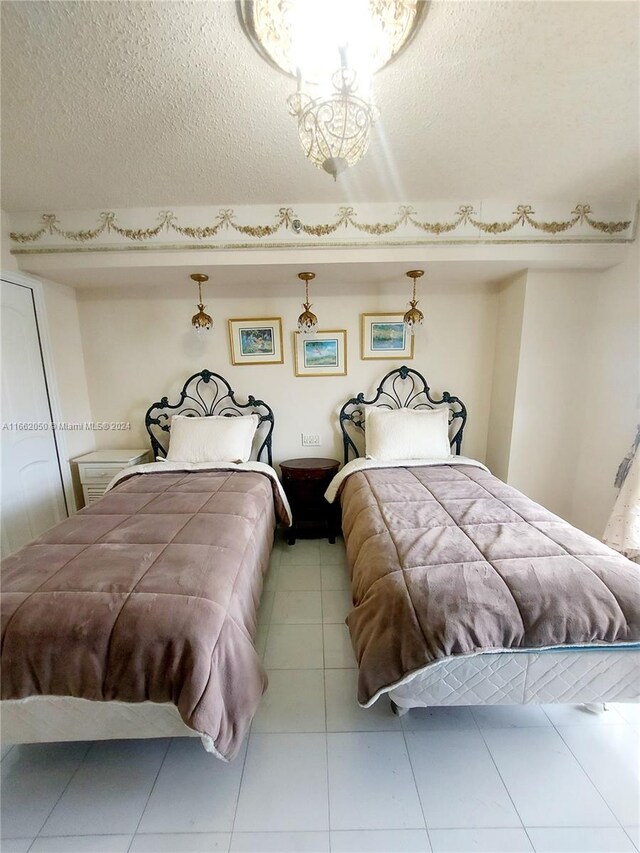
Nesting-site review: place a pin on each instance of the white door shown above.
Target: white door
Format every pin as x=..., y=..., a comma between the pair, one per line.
x=32, y=496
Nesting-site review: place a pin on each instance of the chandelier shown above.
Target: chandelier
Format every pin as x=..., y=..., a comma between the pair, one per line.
x=333, y=48
x=334, y=131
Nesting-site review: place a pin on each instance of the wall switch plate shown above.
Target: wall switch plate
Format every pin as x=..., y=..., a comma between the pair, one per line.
x=310, y=440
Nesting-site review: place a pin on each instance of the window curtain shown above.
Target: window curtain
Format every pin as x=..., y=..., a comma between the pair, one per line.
x=623, y=528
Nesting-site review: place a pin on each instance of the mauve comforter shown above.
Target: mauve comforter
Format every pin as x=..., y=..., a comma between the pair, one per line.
x=449, y=560
x=149, y=594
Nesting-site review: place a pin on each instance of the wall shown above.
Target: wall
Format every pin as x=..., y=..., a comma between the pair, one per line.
x=68, y=378
x=547, y=364
x=558, y=316
x=139, y=347
x=510, y=310
x=576, y=375
x=7, y=260
x=612, y=399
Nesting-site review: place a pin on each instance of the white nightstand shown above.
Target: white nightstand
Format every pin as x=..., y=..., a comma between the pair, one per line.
x=97, y=469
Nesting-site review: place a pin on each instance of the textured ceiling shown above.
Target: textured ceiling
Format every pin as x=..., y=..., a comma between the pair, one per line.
x=119, y=104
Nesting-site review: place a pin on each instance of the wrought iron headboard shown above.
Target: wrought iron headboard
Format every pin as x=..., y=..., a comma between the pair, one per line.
x=207, y=393
x=403, y=388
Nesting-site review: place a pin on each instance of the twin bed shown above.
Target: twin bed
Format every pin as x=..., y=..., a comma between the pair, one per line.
x=136, y=617
x=465, y=591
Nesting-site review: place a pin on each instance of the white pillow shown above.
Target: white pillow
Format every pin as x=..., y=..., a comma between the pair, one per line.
x=211, y=439
x=392, y=434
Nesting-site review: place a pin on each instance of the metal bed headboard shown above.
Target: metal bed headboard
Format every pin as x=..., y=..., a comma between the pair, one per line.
x=403, y=388
x=207, y=393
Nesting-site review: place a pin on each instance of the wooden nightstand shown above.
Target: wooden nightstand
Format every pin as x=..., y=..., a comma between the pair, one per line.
x=305, y=482
x=97, y=469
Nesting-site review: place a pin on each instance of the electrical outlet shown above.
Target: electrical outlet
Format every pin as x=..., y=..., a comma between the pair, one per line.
x=310, y=440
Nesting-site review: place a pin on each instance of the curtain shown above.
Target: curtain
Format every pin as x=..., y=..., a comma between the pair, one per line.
x=623, y=528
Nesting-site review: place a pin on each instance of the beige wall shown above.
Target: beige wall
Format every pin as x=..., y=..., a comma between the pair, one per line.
x=547, y=364
x=510, y=310
x=139, y=347
x=557, y=324
x=611, y=410
x=7, y=260
x=577, y=399
x=68, y=377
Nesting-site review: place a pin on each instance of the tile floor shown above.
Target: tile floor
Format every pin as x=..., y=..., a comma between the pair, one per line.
x=318, y=773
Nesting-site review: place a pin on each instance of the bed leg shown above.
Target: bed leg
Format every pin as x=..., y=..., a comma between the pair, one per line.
x=596, y=707
x=397, y=710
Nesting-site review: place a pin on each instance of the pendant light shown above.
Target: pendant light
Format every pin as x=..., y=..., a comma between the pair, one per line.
x=414, y=316
x=201, y=322
x=307, y=321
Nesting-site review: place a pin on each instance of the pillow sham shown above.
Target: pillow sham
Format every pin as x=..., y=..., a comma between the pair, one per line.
x=214, y=438
x=392, y=434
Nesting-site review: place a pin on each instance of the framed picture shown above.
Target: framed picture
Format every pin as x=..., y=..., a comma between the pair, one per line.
x=385, y=336
x=324, y=354
x=256, y=341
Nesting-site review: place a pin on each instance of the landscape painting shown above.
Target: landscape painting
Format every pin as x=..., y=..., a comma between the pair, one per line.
x=321, y=353
x=385, y=336
x=324, y=354
x=256, y=341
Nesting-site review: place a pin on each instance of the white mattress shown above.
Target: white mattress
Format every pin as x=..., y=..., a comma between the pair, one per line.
x=570, y=675
x=43, y=719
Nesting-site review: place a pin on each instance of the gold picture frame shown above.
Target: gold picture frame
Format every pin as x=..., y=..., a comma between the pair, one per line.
x=256, y=340
x=384, y=336
x=324, y=354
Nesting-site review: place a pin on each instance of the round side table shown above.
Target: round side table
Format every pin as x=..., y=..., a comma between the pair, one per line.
x=305, y=482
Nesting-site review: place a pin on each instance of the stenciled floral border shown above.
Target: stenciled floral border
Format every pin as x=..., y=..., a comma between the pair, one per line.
x=346, y=217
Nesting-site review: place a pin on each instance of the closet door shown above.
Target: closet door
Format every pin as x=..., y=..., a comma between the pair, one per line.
x=32, y=492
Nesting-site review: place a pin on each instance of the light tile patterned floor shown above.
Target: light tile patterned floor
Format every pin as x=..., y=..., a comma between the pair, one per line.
x=318, y=773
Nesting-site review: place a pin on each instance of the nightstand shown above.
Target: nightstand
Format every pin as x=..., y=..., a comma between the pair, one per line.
x=97, y=469
x=305, y=481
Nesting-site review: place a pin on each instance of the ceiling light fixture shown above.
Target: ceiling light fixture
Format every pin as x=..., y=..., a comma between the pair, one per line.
x=201, y=322
x=310, y=39
x=334, y=131
x=307, y=321
x=414, y=316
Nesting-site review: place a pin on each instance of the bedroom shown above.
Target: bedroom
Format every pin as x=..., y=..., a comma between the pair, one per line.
x=145, y=143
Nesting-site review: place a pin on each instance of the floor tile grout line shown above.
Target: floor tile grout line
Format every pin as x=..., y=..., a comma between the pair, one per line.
x=584, y=770
x=506, y=787
x=533, y=826
x=263, y=656
x=573, y=826
x=151, y=790
x=7, y=753
x=326, y=721
x=244, y=767
x=197, y=832
x=415, y=784
x=529, y=838
x=477, y=728
x=633, y=843
x=62, y=793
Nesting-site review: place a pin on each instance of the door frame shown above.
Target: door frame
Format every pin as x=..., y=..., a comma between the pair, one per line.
x=46, y=349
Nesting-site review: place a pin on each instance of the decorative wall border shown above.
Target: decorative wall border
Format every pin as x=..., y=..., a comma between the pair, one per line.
x=286, y=219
